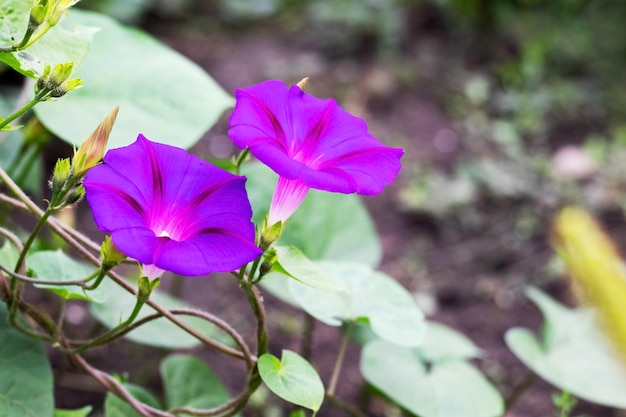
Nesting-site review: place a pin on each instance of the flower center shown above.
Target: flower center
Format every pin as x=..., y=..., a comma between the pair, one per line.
x=163, y=234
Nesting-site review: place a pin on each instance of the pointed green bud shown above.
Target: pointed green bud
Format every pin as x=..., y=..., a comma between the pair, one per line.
x=37, y=16
x=75, y=195
x=92, y=150
x=59, y=8
x=60, y=174
x=270, y=234
x=111, y=255
x=60, y=74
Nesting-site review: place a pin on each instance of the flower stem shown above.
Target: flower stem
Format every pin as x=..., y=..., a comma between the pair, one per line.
x=38, y=97
x=339, y=362
x=111, y=334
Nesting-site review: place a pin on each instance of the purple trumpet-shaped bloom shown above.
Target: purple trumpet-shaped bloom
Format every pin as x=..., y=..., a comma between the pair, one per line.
x=172, y=211
x=309, y=143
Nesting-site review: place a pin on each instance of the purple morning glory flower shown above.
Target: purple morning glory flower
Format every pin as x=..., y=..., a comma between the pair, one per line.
x=310, y=143
x=172, y=211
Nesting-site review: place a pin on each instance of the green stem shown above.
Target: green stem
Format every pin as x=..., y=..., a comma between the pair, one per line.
x=339, y=362
x=31, y=239
x=38, y=97
x=112, y=334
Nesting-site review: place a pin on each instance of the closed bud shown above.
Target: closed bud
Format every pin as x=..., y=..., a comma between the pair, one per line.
x=59, y=8
x=92, y=150
x=60, y=74
x=111, y=255
x=270, y=258
x=270, y=234
x=303, y=83
x=37, y=16
x=60, y=174
x=75, y=195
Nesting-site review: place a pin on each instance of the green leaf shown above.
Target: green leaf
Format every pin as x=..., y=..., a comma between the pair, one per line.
x=325, y=226
x=442, y=342
x=572, y=354
x=65, y=42
x=118, y=304
x=116, y=407
x=293, y=263
x=189, y=382
x=293, y=379
x=8, y=255
x=57, y=266
x=26, y=382
x=450, y=388
x=160, y=93
x=391, y=310
x=81, y=412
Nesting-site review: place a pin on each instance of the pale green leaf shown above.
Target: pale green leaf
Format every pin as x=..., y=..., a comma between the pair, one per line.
x=160, y=92
x=26, y=384
x=390, y=309
x=449, y=388
x=293, y=379
x=65, y=42
x=296, y=265
x=442, y=342
x=572, y=354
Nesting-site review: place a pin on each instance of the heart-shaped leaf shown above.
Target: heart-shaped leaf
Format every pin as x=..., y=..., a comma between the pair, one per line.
x=572, y=354
x=293, y=379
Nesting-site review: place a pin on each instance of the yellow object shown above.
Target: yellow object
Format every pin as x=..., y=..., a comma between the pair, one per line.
x=594, y=263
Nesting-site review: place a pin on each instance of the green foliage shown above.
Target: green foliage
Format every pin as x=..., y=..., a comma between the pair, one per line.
x=430, y=386
x=26, y=382
x=571, y=354
x=172, y=99
x=65, y=42
x=313, y=227
x=81, y=412
x=116, y=407
x=189, y=382
x=118, y=304
x=293, y=263
x=293, y=379
x=57, y=266
x=363, y=294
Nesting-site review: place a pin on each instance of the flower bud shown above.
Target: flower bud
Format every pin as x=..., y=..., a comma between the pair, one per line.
x=75, y=195
x=60, y=74
x=303, y=83
x=38, y=14
x=270, y=234
x=66, y=87
x=60, y=174
x=59, y=8
x=92, y=150
x=111, y=255
x=270, y=258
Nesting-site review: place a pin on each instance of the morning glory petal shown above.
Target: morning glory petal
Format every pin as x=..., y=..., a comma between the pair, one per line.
x=167, y=208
